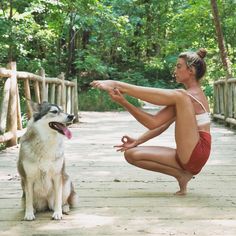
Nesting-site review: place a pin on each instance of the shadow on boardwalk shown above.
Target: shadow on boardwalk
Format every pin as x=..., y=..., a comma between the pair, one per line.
x=116, y=198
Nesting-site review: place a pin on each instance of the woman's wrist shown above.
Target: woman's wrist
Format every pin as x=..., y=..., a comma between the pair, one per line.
x=120, y=86
x=138, y=142
x=124, y=103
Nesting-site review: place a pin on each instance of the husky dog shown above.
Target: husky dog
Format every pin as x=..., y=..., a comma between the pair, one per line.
x=41, y=162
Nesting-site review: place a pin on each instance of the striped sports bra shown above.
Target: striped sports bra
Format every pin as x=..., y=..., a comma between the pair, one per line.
x=204, y=118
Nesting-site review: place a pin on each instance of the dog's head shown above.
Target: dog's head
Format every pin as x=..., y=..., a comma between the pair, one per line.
x=52, y=116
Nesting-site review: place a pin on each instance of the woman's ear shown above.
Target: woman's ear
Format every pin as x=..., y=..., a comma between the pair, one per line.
x=192, y=70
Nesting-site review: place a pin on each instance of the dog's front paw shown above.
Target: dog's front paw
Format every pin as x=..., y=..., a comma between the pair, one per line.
x=57, y=215
x=29, y=216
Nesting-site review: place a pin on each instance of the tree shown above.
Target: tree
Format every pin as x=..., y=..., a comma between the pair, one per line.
x=220, y=40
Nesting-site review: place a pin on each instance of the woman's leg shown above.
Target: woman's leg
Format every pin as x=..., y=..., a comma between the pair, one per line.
x=159, y=159
x=186, y=130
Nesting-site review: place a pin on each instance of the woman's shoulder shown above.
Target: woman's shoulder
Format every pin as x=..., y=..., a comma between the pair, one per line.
x=200, y=98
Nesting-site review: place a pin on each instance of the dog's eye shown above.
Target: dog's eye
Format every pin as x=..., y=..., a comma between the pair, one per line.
x=54, y=111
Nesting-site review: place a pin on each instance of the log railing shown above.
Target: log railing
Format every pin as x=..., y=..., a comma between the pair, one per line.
x=35, y=87
x=225, y=101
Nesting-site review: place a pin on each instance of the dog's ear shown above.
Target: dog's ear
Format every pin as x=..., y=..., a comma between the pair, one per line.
x=35, y=106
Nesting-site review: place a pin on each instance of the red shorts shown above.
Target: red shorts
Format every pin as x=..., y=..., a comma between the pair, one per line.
x=199, y=156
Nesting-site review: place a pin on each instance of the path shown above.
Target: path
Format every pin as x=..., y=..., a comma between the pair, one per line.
x=118, y=199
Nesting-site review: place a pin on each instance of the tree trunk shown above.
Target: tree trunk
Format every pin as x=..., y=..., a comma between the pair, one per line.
x=71, y=48
x=220, y=39
x=224, y=56
x=10, y=51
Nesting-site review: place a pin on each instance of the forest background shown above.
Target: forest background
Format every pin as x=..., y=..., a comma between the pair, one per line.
x=136, y=41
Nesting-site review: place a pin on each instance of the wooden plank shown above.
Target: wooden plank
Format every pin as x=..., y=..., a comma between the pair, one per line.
x=6, y=137
x=5, y=72
x=137, y=199
x=150, y=212
x=90, y=224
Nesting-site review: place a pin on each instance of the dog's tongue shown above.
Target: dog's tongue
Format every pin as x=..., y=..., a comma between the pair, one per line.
x=67, y=132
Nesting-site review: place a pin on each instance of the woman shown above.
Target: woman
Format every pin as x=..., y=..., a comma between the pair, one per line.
x=189, y=110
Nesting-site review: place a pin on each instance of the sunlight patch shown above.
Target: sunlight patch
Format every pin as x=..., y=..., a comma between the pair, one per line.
x=82, y=221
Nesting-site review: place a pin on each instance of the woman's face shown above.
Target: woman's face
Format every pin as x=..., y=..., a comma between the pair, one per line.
x=182, y=72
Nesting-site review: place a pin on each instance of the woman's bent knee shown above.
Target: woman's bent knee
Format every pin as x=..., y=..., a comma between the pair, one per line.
x=182, y=96
x=181, y=93
x=128, y=154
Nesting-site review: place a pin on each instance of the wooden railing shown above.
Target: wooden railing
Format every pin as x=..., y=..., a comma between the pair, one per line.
x=225, y=101
x=37, y=88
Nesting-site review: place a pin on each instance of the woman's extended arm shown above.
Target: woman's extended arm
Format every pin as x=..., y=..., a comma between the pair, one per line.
x=148, y=120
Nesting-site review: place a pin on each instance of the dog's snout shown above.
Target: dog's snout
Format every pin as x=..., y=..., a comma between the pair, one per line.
x=70, y=117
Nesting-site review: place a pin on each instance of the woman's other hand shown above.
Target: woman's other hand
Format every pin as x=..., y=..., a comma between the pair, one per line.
x=127, y=143
x=116, y=96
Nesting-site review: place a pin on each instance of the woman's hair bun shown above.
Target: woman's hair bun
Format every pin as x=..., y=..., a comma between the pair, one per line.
x=202, y=52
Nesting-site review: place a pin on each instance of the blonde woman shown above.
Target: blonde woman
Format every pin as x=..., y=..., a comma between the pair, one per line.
x=189, y=110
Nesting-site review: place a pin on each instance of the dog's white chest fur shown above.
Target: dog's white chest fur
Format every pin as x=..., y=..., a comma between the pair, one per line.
x=50, y=158
x=46, y=161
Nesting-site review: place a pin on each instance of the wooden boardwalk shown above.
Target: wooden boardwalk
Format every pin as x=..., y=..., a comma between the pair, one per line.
x=118, y=199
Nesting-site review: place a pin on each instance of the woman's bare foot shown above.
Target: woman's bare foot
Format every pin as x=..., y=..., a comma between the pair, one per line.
x=183, y=181
x=104, y=84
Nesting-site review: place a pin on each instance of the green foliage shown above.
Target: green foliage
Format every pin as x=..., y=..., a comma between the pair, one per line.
x=96, y=100
x=130, y=40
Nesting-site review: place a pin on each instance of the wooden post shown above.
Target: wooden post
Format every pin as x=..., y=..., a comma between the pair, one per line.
x=215, y=100
x=230, y=100
x=43, y=90
x=12, y=109
x=75, y=98
x=68, y=100
x=4, y=105
x=226, y=100
x=36, y=91
x=63, y=91
x=72, y=99
x=28, y=98
x=52, y=93
x=234, y=99
x=58, y=99
x=222, y=98
x=19, y=118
